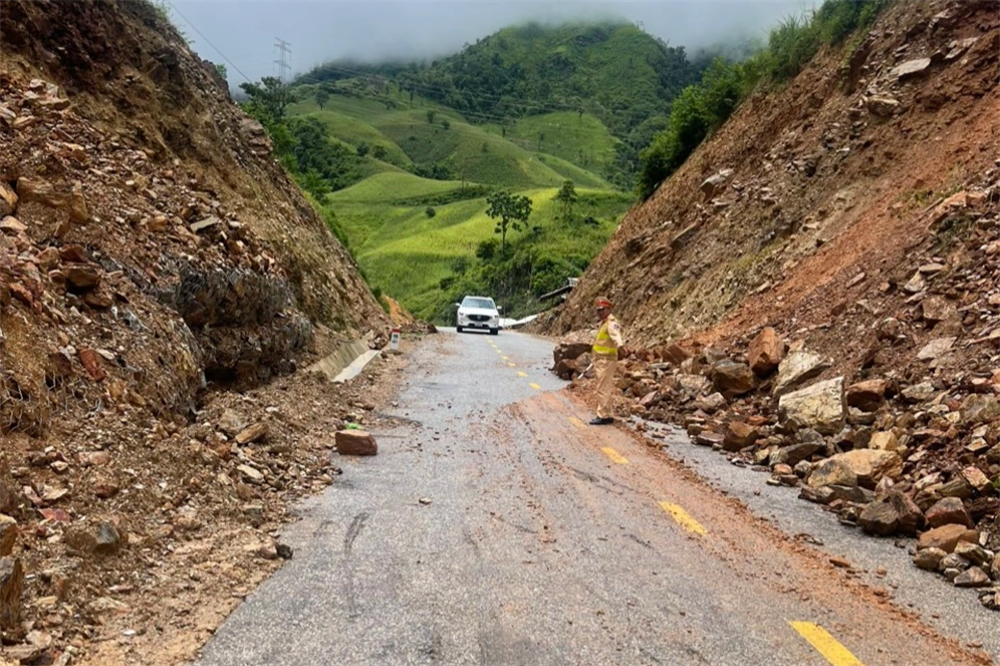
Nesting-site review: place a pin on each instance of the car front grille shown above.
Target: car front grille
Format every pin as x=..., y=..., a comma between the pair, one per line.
x=479, y=317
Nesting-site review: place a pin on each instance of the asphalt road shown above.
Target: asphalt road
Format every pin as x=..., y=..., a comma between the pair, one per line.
x=494, y=527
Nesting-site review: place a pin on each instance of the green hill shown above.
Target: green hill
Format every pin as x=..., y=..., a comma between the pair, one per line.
x=616, y=80
x=419, y=259
x=526, y=109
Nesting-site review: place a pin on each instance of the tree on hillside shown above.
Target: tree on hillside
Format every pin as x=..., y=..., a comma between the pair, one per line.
x=221, y=69
x=567, y=197
x=512, y=211
x=268, y=100
x=322, y=97
x=430, y=116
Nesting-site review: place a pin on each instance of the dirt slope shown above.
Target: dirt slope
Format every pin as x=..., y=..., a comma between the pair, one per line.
x=826, y=183
x=833, y=302
x=158, y=272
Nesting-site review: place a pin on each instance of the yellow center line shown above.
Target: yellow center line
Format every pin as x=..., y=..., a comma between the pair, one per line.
x=522, y=374
x=575, y=421
x=825, y=644
x=506, y=358
x=513, y=365
x=535, y=386
x=683, y=518
x=614, y=455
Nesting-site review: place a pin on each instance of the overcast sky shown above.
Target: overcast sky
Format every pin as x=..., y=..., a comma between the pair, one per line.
x=317, y=31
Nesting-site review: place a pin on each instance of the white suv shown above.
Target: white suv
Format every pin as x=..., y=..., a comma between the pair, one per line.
x=478, y=312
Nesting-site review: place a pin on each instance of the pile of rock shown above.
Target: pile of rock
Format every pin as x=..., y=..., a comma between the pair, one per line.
x=894, y=459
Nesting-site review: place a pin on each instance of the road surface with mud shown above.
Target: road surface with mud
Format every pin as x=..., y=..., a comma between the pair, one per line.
x=494, y=527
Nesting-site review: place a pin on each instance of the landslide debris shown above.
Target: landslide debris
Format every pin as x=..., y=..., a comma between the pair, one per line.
x=160, y=281
x=816, y=293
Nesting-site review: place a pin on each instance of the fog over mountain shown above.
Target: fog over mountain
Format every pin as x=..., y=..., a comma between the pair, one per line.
x=245, y=32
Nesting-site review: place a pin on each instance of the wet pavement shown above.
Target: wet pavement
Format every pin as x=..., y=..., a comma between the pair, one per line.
x=495, y=527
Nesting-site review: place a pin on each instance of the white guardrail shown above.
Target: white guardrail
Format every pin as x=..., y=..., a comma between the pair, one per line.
x=516, y=323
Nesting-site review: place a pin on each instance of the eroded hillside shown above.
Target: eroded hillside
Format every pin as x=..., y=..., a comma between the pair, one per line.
x=152, y=255
x=816, y=292
x=836, y=175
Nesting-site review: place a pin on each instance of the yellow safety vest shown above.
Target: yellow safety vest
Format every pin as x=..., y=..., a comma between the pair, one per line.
x=602, y=337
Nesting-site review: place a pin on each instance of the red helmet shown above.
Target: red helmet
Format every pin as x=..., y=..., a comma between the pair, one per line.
x=602, y=303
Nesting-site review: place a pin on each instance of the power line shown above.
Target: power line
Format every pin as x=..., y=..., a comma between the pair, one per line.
x=437, y=89
x=209, y=42
x=282, y=61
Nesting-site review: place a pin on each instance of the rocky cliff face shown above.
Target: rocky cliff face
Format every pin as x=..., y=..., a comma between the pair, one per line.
x=152, y=256
x=817, y=291
x=149, y=239
x=837, y=175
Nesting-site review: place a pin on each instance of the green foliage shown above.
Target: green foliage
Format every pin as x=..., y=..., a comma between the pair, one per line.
x=567, y=197
x=703, y=107
x=322, y=96
x=408, y=254
x=430, y=212
x=446, y=124
x=511, y=212
x=314, y=151
x=362, y=149
x=380, y=153
x=609, y=77
x=221, y=69
x=267, y=100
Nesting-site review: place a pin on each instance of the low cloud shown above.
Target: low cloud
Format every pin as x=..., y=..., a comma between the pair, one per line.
x=245, y=32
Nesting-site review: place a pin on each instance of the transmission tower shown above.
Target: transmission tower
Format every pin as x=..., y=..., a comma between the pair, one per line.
x=282, y=62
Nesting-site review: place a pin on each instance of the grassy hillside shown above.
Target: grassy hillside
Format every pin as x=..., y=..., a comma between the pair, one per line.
x=465, y=151
x=407, y=254
x=526, y=110
x=353, y=131
x=613, y=79
x=581, y=139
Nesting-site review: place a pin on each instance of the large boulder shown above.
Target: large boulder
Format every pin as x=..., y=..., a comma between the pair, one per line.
x=830, y=493
x=569, y=349
x=733, y=379
x=884, y=441
x=911, y=518
x=793, y=454
x=739, y=435
x=879, y=518
x=820, y=407
x=796, y=369
x=833, y=472
x=766, y=352
x=11, y=587
x=355, y=443
x=946, y=537
x=929, y=559
x=980, y=409
x=692, y=384
x=949, y=510
x=715, y=183
x=871, y=466
x=567, y=368
x=891, y=514
x=972, y=577
x=867, y=395
x=673, y=353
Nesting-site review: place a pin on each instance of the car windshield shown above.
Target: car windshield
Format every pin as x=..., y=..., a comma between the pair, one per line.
x=483, y=303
